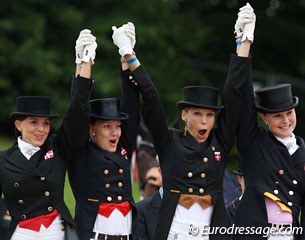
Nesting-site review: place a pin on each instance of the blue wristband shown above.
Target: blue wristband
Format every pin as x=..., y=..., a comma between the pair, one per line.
x=130, y=61
x=238, y=42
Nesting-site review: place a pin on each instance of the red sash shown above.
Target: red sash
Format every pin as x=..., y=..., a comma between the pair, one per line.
x=105, y=209
x=35, y=223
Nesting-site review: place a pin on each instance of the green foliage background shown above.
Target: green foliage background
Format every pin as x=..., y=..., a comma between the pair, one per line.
x=180, y=42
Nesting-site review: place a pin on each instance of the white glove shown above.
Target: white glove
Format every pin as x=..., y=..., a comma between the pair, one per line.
x=85, y=38
x=130, y=30
x=89, y=52
x=245, y=23
x=239, y=28
x=122, y=41
x=243, y=18
x=249, y=26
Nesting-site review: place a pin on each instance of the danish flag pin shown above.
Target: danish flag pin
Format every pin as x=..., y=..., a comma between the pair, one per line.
x=217, y=156
x=123, y=151
x=49, y=154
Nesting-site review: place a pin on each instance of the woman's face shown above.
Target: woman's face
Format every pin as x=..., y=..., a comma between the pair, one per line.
x=34, y=130
x=199, y=122
x=281, y=124
x=106, y=134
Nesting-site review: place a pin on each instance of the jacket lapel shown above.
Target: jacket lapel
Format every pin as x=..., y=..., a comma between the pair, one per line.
x=191, y=143
x=116, y=157
x=152, y=214
x=16, y=162
x=298, y=156
x=156, y=203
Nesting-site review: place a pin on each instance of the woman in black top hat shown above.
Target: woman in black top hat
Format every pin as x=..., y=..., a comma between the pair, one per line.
x=272, y=162
x=100, y=176
x=32, y=171
x=193, y=160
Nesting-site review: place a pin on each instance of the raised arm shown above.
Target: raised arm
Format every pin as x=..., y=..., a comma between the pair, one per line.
x=73, y=133
x=129, y=95
x=244, y=30
x=248, y=125
x=238, y=93
x=153, y=112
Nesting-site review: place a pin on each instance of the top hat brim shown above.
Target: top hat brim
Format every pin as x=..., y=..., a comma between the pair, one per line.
x=15, y=115
x=281, y=109
x=184, y=104
x=238, y=173
x=122, y=116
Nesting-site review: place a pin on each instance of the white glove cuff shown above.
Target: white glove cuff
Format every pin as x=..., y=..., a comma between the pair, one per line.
x=250, y=37
x=89, y=53
x=87, y=59
x=125, y=50
x=78, y=61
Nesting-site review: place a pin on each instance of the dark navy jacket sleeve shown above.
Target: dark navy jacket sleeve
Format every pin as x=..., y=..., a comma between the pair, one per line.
x=231, y=209
x=152, y=110
x=233, y=97
x=247, y=126
x=129, y=105
x=73, y=133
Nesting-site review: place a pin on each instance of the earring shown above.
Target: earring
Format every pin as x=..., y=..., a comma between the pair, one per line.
x=93, y=134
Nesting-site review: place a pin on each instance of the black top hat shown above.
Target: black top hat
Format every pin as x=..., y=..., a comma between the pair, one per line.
x=276, y=98
x=200, y=96
x=106, y=108
x=39, y=106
